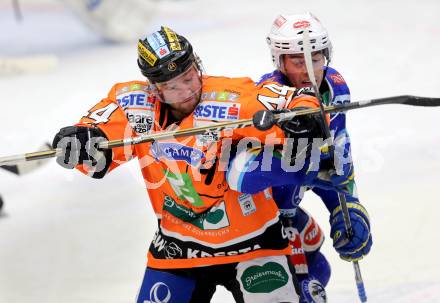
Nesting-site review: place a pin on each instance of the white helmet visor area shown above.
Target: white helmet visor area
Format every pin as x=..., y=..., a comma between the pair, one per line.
x=297, y=60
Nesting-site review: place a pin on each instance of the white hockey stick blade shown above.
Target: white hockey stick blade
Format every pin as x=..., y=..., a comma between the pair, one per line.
x=23, y=168
x=12, y=66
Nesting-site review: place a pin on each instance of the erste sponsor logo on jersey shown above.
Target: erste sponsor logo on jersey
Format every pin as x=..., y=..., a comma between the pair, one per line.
x=140, y=120
x=218, y=111
x=178, y=152
x=137, y=99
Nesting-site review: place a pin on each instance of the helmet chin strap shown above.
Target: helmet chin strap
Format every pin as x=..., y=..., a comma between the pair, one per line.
x=199, y=64
x=324, y=74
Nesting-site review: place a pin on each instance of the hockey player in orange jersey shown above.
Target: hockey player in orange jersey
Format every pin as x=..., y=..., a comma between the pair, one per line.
x=208, y=234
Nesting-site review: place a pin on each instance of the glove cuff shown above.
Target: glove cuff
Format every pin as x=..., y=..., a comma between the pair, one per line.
x=355, y=206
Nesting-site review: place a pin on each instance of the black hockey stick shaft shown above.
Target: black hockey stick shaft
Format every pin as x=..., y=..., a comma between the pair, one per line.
x=404, y=99
x=408, y=100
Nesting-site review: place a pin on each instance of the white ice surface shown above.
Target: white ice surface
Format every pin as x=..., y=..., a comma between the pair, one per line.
x=67, y=238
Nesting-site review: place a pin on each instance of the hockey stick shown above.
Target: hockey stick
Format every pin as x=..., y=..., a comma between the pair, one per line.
x=261, y=120
x=342, y=201
x=23, y=168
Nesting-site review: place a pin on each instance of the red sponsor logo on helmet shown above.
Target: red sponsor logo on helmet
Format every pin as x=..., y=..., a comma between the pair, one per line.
x=301, y=24
x=279, y=21
x=162, y=51
x=337, y=79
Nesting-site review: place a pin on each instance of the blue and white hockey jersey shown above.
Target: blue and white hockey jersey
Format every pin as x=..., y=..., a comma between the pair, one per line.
x=289, y=187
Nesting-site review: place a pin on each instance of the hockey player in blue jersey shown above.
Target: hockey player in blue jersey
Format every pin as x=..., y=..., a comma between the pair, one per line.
x=285, y=43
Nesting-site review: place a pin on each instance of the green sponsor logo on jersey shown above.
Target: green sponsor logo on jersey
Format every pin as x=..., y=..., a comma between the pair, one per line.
x=184, y=188
x=214, y=218
x=264, y=279
x=135, y=86
x=222, y=96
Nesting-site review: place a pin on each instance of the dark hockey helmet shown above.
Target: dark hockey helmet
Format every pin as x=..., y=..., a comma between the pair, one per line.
x=164, y=55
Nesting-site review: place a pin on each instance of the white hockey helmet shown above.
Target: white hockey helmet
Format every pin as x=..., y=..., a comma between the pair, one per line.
x=285, y=36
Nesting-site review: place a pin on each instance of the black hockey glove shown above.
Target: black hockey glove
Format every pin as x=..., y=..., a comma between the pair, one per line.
x=301, y=131
x=305, y=126
x=80, y=146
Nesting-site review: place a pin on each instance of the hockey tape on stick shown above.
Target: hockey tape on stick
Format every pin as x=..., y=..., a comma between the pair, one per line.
x=20, y=166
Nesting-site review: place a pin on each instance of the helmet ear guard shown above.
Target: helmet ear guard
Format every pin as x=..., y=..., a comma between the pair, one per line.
x=164, y=55
x=285, y=36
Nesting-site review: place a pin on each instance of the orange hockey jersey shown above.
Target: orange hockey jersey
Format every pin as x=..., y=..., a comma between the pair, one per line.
x=201, y=220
